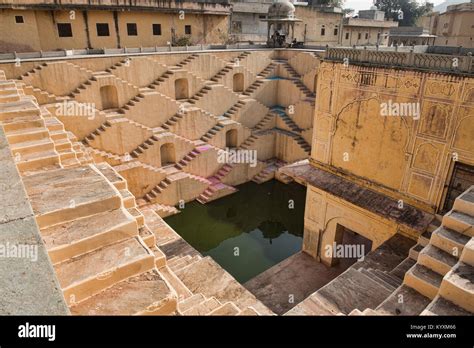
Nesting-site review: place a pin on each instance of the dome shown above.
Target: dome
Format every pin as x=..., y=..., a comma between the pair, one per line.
x=281, y=9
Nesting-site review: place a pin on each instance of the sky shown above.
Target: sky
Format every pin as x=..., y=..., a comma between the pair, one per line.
x=366, y=4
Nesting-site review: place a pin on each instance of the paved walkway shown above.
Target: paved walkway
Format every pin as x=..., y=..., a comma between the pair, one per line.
x=286, y=284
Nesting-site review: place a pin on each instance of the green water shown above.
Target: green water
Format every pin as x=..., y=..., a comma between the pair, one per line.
x=248, y=231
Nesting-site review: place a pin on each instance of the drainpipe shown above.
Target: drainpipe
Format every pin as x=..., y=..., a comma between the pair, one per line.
x=341, y=29
x=117, y=28
x=86, y=23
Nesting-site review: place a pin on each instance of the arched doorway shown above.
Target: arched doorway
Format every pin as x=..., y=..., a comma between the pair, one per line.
x=181, y=89
x=238, y=82
x=231, y=138
x=168, y=154
x=109, y=97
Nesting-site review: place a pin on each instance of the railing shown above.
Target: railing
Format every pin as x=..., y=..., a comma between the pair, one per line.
x=121, y=51
x=437, y=62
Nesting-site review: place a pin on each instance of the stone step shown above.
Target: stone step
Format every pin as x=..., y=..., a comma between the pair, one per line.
x=191, y=302
x=128, y=199
x=185, y=262
x=458, y=286
x=436, y=259
x=249, y=311
x=64, y=145
x=145, y=294
x=204, y=308
x=467, y=255
x=402, y=268
x=27, y=134
x=459, y=222
x=355, y=312
x=91, y=273
x=147, y=236
x=63, y=195
x=404, y=301
x=181, y=290
x=369, y=273
x=163, y=233
x=424, y=238
x=414, y=251
x=112, y=176
x=137, y=216
x=393, y=281
x=441, y=306
x=21, y=108
x=228, y=308
x=32, y=146
x=352, y=289
x=71, y=239
x=434, y=224
x=449, y=240
x=160, y=257
x=465, y=202
x=423, y=280
x=370, y=312
x=57, y=135
x=313, y=305
x=37, y=160
x=25, y=122
x=175, y=262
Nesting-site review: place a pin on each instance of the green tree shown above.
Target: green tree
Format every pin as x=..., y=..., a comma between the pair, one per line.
x=335, y=3
x=405, y=12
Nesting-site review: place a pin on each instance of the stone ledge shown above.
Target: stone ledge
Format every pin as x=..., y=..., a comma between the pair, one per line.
x=372, y=201
x=28, y=285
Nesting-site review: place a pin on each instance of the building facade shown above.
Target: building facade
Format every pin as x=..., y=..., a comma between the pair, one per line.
x=452, y=28
x=246, y=21
x=369, y=29
x=320, y=25
x=75, y=25
x=377, y=174
x=410, y=36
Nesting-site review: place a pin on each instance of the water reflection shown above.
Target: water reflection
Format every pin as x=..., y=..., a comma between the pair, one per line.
x=257, y=220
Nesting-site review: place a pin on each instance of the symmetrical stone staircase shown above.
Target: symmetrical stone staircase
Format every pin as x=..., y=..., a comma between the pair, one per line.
x=269, y=171
x=280, y=111
x=436, y=278
x=296, y=78
x=212, y=132
x=172, y=121
x=217, y=189
x=187, y=60
x=37, y=139
x=97, y=243
x=160, y=79
x=253, y=87
x=234, y=109
x=136, y=108
x=444, y=269
x=299, y=140
x=268, y=71
x=162, y=210
x=200, y=94
x=265, y=122
x=224, y=71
